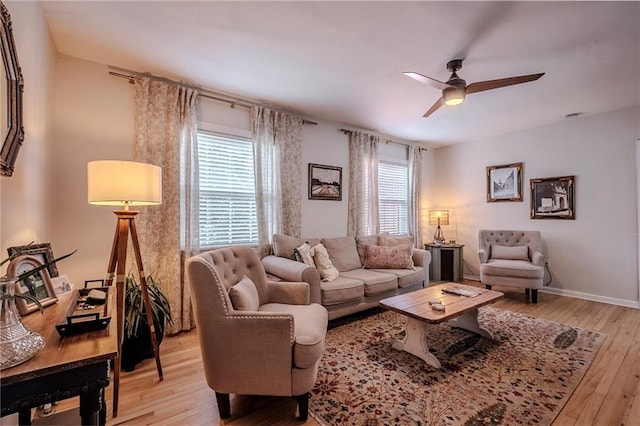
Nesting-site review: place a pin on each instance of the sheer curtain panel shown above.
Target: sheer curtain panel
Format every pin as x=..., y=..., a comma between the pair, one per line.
x=415, y=190
x=277, y=141
x=166, y=136
x=363, y=184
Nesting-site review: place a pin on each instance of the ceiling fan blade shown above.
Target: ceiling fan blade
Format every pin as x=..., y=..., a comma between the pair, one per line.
x=434, y=107
x=481, y=86
x=426, y=80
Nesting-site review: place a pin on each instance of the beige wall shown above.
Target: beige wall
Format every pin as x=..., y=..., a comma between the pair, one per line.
x=27, y=198
x=594, y=256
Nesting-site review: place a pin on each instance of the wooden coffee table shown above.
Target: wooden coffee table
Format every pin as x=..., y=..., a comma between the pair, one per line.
x=460, y=311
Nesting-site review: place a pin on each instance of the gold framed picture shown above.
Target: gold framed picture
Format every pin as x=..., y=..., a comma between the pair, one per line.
x=325, y=182
x=504, y=183
x=553, y=198
x=38, y=284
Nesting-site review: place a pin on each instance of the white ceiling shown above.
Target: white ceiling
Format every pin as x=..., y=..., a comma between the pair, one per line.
x=343, y=61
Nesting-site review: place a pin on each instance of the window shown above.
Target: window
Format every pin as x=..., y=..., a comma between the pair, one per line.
x=393, y=194
x=227, y=191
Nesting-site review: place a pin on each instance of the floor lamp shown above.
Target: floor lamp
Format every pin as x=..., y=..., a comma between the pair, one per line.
x=125, y=183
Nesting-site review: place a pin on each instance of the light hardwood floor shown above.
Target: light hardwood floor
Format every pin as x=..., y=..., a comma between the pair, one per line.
x=609, y=394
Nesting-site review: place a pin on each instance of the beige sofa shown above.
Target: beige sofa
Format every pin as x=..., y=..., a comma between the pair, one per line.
x=357, y=288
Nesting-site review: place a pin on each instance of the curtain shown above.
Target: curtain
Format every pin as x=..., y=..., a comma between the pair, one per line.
x=277, y=140
x=363, y=184
x=415, y=189
x=166, y=136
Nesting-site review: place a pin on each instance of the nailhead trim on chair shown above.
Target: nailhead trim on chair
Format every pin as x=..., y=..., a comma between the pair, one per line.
x=226, y=307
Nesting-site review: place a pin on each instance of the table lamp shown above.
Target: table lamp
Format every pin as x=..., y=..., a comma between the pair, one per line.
x=125, y=183
x=438, y=217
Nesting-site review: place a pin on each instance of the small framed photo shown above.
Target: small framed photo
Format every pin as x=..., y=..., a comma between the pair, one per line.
x=553, y=198
x=504, y=183
x=325, y=182
x=41, y=251
x=38, y=285
x=61, y=284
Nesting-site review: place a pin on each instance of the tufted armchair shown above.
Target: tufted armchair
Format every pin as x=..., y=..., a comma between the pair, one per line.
x=256, y=337
x=511, y=258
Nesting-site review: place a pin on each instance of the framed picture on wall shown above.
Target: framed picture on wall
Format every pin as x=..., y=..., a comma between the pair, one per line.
x=504, y=183
x=553, y=198
x=41, y=251
x=325, y=182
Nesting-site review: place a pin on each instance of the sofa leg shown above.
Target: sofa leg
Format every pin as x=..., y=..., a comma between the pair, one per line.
x=487, y=286
x=534, y=295
x=303, y=406
x=527, y=293
x=224, y=405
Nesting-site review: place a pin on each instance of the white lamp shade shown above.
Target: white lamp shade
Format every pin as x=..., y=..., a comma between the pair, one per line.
x=117, y=183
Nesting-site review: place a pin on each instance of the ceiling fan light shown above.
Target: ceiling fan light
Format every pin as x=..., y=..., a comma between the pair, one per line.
x=453, y=96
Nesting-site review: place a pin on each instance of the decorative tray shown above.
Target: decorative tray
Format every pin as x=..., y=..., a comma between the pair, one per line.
x=86, y=313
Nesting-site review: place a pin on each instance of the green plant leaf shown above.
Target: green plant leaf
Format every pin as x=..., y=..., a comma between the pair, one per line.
x=45, y=265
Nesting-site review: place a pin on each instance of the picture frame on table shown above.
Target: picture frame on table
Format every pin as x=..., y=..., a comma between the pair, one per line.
x=38, y=285
x=553, y=198
x=42, y=251
x=61, y=284
x=325, y=182
x=504, y=183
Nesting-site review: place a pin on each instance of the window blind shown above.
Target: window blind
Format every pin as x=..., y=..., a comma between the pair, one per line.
x=227, y=191
x=393, y=194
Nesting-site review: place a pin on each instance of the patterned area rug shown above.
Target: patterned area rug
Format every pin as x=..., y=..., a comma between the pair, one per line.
x=524, y=376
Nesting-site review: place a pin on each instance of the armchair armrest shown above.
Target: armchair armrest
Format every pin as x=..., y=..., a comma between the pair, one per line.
x=537, y=258
x=291, y=293
x=483, y=255
x=292, y=271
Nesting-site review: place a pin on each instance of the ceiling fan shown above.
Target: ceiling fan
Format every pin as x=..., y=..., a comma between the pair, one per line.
x=455, y=89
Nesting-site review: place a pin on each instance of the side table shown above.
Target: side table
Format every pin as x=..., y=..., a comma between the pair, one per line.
x=446, y=262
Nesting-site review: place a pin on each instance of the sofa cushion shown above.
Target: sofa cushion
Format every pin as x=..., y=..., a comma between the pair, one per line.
x=310, y=324
x=244, y=295
x=284, y=245
x=512, y=268
x=375, y=282
x=388, y=240
x=328, y=272
x=406, y=277
x=343, y=253
x=509, y=252
x=369, y=240
x=341, y=290
x=382, y=257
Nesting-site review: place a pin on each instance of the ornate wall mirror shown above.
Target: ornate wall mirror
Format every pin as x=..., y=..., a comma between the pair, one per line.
x=10, y=97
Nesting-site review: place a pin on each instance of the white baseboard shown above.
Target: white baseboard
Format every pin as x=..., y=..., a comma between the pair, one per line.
x=592, y=297
x=579, y=295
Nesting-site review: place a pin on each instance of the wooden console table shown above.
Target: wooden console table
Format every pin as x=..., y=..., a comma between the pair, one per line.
x=66, y=367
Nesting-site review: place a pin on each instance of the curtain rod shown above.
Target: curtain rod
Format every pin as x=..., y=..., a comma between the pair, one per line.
x=205, y=93
x=348, y=132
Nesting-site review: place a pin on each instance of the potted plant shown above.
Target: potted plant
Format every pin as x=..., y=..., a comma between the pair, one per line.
x=137, y=344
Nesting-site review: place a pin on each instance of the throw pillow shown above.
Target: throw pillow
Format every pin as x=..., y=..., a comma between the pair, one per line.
x=369, y=240
x=283, y=245
x=244, y=295
x=509, y=252
x=388, y=240
x=305, y=252
x=328, y=272
x=343, y=253
x=383, y=257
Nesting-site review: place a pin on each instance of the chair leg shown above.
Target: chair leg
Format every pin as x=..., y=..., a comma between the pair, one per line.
x=303, y=406
x=487, y=286
x=534, y=295
x=224, y=405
